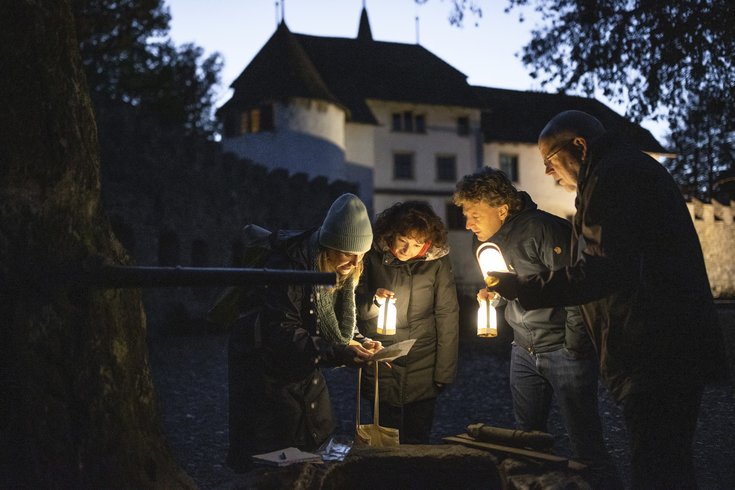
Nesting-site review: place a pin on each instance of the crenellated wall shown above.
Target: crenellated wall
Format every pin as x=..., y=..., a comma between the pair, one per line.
x=715, y=224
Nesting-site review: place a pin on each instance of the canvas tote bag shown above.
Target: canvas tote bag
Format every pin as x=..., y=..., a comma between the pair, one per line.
x=373, y=434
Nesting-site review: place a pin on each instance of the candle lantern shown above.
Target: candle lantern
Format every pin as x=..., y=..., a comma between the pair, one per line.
x=387, y=316
x=489, y=258
x=487, y=320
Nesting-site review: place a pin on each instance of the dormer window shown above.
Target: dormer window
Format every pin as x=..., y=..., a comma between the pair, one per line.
x=243, y=123
x=253, y=120
x=408, y=122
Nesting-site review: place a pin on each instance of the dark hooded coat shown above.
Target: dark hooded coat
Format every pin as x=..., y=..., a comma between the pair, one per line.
x=278, y=396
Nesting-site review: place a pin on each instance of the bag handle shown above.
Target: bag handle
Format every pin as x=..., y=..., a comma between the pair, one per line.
x=376, y=404
x=359, y=383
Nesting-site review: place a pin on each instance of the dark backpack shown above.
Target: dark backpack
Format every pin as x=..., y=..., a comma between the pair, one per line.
x=258, y=243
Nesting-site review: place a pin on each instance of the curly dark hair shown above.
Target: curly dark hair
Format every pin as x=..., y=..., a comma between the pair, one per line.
x=410, y=218
x=489, y=185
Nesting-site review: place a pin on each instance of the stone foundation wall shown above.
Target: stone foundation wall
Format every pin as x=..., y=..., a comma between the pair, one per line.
x=715, y=225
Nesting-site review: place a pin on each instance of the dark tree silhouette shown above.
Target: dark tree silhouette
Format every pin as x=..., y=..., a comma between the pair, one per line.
x=663, y=59
x=128, y=58
x=77, y=405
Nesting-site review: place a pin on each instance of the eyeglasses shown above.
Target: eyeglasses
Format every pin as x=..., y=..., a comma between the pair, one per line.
x=547, y=157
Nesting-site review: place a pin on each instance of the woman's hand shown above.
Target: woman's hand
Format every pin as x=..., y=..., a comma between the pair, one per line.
x=384, y=293
x=372, y=345
x=360, y=355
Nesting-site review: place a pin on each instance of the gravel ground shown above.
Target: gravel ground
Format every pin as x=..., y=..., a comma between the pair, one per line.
x=190, y=373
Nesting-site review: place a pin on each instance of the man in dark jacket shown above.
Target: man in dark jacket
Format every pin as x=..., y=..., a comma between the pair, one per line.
x=551, y=353
x=640, y=278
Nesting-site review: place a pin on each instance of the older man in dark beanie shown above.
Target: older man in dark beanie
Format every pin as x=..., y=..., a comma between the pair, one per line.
x=278, y=395
x=638, y=273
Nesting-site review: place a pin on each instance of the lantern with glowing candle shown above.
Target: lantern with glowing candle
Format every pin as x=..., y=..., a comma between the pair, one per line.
x=489, y=258
x=387, y=316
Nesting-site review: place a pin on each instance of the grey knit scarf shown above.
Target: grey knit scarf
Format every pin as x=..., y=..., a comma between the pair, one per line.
x=336, y=328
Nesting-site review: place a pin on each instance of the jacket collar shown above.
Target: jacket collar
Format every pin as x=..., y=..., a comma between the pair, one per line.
x=527, y=204
x=598, y=147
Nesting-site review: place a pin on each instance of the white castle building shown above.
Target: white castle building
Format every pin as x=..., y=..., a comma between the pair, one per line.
x=399, y=121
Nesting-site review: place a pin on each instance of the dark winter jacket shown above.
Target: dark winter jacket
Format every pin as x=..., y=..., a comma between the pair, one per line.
x=428, y=311
x=533, y=241
x=639, y=275
x=278, y=396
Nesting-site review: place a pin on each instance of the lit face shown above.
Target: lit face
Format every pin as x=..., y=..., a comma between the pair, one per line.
x=342, y=262
x=563, y=159
x=482, y=219
x=407, y=247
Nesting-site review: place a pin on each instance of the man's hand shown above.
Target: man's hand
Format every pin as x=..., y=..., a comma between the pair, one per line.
x=505, y=284
x=485, y=295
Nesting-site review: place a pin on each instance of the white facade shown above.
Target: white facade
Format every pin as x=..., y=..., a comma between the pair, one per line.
x=532, y=178
x=440, y=139
x=313, y=117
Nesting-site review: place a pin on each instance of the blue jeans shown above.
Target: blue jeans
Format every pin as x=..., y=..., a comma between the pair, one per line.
x=536, y=378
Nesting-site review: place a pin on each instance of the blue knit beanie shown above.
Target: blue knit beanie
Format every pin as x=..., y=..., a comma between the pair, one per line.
x=347, y=226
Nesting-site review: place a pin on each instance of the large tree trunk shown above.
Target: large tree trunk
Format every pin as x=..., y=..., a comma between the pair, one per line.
x=77, y=404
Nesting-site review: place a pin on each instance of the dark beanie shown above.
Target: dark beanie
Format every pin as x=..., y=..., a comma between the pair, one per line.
x=347, y=226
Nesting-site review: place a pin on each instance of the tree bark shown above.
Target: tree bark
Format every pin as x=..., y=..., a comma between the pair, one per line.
x=77, y=403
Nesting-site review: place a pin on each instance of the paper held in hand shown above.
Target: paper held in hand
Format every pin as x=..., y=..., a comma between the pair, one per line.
x=394, y=351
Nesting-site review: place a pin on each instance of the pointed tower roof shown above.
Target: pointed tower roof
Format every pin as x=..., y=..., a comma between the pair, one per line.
x=364, y=33
x=281, y=69
x=348, y=72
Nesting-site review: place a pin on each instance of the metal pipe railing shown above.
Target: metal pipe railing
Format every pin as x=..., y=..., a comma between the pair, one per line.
x=118, y=276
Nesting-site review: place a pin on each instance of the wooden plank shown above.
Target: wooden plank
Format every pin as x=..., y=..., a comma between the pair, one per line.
x=467, y=440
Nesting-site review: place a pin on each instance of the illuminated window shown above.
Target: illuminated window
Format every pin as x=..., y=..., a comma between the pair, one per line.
x=255, y=120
